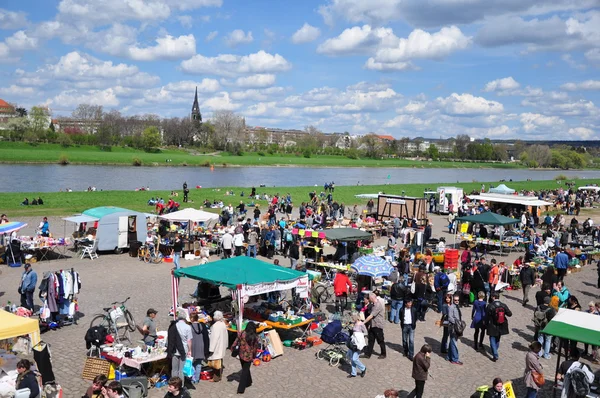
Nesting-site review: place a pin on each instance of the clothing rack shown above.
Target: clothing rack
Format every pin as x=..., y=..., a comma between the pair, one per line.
x=59, y=291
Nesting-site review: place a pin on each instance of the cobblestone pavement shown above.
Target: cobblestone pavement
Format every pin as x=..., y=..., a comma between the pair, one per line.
x=296, y=373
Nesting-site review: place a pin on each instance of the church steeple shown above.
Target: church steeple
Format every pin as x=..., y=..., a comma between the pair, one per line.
x=196, y=115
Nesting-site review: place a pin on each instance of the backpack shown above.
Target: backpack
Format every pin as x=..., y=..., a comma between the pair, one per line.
x=444, y=280
x=540, y=318
x=579, y=382
x=289, y=237
x=499, y=315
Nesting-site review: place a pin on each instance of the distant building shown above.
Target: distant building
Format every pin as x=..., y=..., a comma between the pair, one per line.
x=7, y=111
x=196, y=115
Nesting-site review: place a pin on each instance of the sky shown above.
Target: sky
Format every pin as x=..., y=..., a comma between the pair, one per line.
x=500, y=69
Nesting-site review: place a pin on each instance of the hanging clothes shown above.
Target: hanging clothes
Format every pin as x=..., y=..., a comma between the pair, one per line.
x=51, y=297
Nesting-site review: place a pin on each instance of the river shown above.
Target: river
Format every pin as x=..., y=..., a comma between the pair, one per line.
x=51, y=178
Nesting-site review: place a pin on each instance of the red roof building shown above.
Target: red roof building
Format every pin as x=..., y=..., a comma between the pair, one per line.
x=385, y=137
x=7, y=111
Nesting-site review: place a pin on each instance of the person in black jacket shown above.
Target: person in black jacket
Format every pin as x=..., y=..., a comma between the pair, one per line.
x=26, y=378
x=545, y=292
x=527, y=277
x=398, y=293
x=497, y=322
x=408, y=323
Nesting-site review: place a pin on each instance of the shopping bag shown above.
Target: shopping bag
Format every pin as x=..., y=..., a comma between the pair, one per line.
x=188, y=367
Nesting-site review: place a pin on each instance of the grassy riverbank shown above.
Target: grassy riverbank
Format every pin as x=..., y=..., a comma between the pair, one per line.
x=63, y=203
x=19, y=152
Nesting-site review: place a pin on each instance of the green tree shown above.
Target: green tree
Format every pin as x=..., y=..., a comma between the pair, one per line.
x=433, y=152
x=38, y=122
x=151, y=138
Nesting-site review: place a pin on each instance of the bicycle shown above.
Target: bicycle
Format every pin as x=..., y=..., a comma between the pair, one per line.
x=322, y=293
x=297, y=304
x=113, y=314
x=150, y=256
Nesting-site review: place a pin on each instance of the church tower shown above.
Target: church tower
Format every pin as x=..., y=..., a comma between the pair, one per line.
x=196, y=115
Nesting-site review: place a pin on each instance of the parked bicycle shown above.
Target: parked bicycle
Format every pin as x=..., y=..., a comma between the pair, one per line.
x=116, y=317
x=149, y=255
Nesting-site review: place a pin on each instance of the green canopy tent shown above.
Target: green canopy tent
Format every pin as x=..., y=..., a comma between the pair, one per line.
x=244, y=276
x=573, y=325
x=489, y=218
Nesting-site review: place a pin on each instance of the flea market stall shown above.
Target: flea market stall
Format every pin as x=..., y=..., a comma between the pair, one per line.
x=247, y=278
x=488, y=218
x=505, y=202
x=577, y=326
x=198, y=228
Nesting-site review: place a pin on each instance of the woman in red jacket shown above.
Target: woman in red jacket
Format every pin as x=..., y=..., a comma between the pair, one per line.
x=341, y=286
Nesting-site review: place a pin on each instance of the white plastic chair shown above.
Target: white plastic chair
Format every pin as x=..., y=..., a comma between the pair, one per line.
x=90, y=250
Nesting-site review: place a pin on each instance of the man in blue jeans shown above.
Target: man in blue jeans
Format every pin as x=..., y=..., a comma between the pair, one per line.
x=454, y=316
x=408, y=323
x=497, y=314
x=28, y=282
x=440, y=283
x=398, y=293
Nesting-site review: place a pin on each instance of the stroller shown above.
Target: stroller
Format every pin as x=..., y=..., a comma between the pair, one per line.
x=14, y=254
x=336, y=337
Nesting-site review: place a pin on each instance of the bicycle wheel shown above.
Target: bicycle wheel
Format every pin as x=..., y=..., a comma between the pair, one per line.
x=141, y=253
x=130, y=320
x=319, y=355
x=322, y=293
x=99, y=320
x=158, y=258
x=334, y=361
x=147, y=257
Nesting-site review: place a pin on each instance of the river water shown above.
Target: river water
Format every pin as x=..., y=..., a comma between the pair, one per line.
x=51, y=178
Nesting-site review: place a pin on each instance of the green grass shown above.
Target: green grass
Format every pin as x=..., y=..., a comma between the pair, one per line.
x=19, y=152
x=63, y=203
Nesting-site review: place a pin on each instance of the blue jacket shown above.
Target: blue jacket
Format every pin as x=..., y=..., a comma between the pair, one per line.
x=478, y=313
x=561, y=261
x=28, y=281
x=440, y=283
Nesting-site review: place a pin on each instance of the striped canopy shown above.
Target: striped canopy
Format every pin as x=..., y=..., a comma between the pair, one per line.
x=575, y=325
x=373, y=266
x=11, y=226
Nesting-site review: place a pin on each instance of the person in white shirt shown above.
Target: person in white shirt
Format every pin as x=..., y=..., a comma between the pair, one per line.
x=227, y=244
x=218, y=345
x=238, y=242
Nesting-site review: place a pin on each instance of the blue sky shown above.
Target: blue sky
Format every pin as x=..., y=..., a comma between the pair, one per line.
x=487, y=68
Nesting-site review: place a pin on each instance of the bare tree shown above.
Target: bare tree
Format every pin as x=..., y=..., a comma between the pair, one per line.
x=539, y=155
x=460, y=145
x=229, y=128
x=88, y=116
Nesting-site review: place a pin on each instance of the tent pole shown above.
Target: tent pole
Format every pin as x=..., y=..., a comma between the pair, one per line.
x=557, y=366
x=240, y=317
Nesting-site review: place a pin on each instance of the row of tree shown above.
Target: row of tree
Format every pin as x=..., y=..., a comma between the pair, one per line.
x=226, y=131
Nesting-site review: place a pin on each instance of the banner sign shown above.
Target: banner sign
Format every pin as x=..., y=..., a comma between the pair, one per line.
x=395, y=201
x=253, y=290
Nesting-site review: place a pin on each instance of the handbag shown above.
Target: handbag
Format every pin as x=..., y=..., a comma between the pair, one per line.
x=459, y=327
x=235, y=350
x=188, y=367
x=351, y=346
x=538, y=378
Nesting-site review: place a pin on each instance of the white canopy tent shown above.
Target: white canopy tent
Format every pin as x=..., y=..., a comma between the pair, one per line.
x=191, y=215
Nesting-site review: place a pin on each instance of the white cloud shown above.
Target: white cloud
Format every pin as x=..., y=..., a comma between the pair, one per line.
x=358, y=40
x=580, y=31
x=256, y=81
x=258, y=94
x=12, y=20
x=187, y=21
x=305, y=34
x=16, y=91
x=593, y=55
x=167, y=47
x=468, y=105
x=440, y=12
x=193, y=4
x=20, y=41
x=581, y=133
x=424, y=45
x=502, y=85
x=407, y=121
x=413, y=107
x=585, y=85
x=237, y=37
x=5, y=55
x=220, y=102
x=268, y=109
x=232, y=65
x=531, y=121
x=72, y=98
x=80, y=66
x=317, y=110
x=211, y=36
x=389, y=66
x=188, y=86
